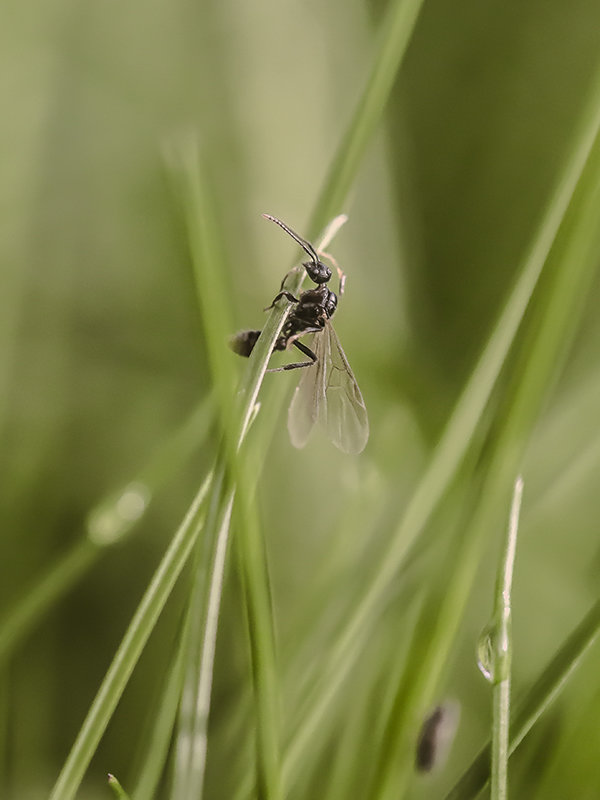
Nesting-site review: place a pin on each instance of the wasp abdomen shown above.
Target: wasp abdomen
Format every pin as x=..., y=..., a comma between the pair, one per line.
x=243, y=342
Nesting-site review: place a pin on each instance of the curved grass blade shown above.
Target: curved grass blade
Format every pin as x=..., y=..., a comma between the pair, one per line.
x=129, y=650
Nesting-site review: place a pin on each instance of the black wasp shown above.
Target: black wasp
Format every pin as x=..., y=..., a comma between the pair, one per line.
x=328, y=393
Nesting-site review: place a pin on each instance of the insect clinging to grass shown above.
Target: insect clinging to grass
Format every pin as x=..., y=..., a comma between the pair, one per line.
x=327, y=392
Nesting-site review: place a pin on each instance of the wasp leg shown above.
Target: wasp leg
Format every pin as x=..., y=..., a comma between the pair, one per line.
x=283, y=293
x=293, y=271
x=298, y=364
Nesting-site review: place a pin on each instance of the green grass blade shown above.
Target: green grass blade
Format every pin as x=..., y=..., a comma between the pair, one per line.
x=268, y=421
x=257, y=594
x=190, y=754
x=193, y=184
x=130, y=649
x=155, y=756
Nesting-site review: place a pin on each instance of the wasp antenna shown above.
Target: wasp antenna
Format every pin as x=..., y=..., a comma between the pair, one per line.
x=306, y=246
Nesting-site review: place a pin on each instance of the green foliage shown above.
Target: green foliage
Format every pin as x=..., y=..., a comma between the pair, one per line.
x=290, y=635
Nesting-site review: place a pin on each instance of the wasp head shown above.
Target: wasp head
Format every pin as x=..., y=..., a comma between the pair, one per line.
x=317, y=271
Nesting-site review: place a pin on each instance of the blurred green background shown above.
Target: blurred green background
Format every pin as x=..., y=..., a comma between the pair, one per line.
x=102, y=346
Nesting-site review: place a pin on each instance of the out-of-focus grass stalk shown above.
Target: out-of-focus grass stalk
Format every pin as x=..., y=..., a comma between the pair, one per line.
x=396, y=30
x=108, y=522
x=206, y=250
x=129, y=650
x=460, y=431
x=531, y=707
x=163, y=720
x=501, y=652
x=47, y=590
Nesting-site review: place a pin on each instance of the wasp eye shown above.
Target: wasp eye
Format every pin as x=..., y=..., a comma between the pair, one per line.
x=325, y=271
x=331, y=304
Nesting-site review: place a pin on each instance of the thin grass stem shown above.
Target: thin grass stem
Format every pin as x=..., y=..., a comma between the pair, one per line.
x=114, y=784
x=501, y=643
x=396, y=29
x=538, y=699
x=255, y=583
x=191, y=744
x=156, y=751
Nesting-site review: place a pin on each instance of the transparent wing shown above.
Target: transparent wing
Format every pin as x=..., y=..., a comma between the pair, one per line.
x=347, y=420
x=309, y=401
x=329, y=394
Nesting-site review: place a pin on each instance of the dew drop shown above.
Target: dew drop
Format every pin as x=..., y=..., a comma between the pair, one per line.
x=485, y=653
